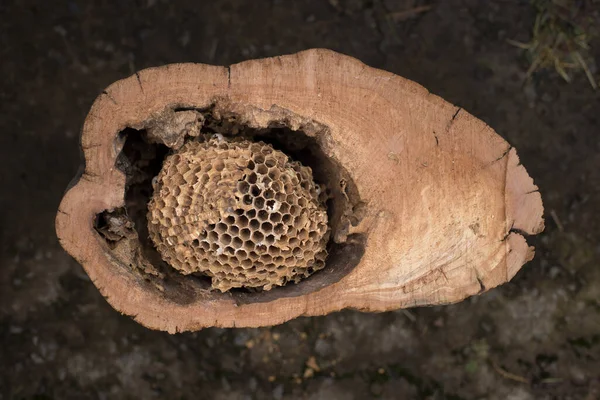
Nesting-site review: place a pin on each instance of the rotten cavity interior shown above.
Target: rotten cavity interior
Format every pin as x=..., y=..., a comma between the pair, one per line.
x=141, y=159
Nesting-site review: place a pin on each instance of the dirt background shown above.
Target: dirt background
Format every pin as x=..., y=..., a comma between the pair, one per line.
x=537, y=337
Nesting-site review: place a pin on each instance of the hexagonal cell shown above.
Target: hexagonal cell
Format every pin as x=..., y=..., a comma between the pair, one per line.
x=243, y=187
x=233, y=230
x=257, y=236
x=275, y=217
x=241, y=254
x=219, y=165
x=272, y=205
x=270, y=162
x=242, y=221
x=266, y=227
x=221, y=228
x=284, y=208
x=263, y=215
x=302, y=202
x=273, y=250
x=204, y=179
x=279, y=229
x=254, y=224
x=277, y=186
x=245, y=233
x=229, y=250
x=268, y=194
x=252, y=178
x=236, y=242
x=255, y=190
x=261, y=169
x=266, y=150
x=295, y=210
x=176, y=191
x=212, y=236
x=259, y=202
x=303, y=234
x=274, y=174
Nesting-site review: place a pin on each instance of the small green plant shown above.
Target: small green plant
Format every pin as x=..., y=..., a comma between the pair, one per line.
x=561, y=36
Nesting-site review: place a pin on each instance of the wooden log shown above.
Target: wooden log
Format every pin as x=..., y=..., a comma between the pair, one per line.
x=429, y=205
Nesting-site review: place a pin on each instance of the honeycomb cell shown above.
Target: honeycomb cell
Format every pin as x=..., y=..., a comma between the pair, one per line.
x=263, y=215
x=240, y=212
x=279, y=229
x=241, y=254
x=236, y=242
x=269, y=194
x=254, y=224
x=245, y=233
x=242, y=221
x=257, y=237
x=252, y=178
x=272, y=205
x=259, y=202
x=274, y=174
x=261, y=169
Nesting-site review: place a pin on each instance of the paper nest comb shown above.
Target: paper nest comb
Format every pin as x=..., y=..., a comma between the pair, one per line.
x=239, y=212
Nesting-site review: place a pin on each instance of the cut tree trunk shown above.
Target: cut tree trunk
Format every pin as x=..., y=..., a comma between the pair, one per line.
x=428, y=205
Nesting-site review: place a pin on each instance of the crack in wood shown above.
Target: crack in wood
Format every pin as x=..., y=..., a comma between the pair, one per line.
x=139, y=79
x=104, y=92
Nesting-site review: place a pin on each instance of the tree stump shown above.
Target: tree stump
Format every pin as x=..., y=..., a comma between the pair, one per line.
x=292, y=186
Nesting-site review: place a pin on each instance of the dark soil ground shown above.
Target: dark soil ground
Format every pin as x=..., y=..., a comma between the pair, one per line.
x=537, y=337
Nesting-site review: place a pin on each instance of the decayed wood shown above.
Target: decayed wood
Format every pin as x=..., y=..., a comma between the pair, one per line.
x=447, y=201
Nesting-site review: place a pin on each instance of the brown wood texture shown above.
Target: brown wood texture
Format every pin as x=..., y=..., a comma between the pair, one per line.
x=447, y=200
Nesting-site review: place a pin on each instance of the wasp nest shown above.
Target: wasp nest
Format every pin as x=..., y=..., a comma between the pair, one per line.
x=240, y=212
